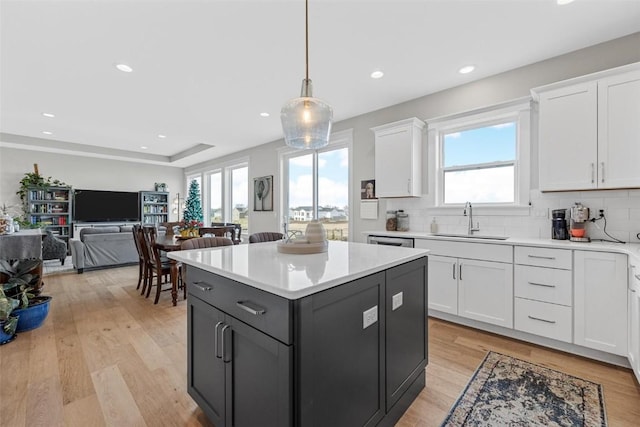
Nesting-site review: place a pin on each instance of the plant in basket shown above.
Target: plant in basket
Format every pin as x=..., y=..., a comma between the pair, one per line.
x=22, y=283
x=190, y=228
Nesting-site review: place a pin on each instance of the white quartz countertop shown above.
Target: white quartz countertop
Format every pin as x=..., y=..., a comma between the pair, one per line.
x=295, y=276
x=632, y=249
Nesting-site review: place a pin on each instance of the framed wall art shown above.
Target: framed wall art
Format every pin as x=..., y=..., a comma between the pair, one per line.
x=263, y=193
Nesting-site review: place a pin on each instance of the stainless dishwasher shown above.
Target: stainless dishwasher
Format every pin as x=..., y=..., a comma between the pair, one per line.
x=390, y=241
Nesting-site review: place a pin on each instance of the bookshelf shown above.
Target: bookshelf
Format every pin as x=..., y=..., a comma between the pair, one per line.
x=154, y=207
x=50, y=208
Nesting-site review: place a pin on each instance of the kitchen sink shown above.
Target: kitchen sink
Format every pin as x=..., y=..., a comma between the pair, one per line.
x=471, y=236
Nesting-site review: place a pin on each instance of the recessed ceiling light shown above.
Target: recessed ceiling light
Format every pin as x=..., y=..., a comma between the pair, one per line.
x=377, y=74
x=161, y=136
x=144, y=147
x=467, y=69
x=563, y=2
x=124, y=68
x=46, y=132
x=264, y=114
x=48, y=115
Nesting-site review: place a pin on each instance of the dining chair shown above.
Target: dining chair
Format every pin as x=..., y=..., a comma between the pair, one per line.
x=141, y=261
x=158, y=267
x=238, y=230
x=170, y=226
x=265, y=236
x=206, y=242
x=220, y=231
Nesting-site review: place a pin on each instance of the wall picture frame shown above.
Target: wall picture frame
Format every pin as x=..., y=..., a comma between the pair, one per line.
x=263, y=193
x=368, y=189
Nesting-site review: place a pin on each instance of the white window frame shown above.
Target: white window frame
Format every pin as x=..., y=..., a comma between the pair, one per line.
x=518, y=111
x=338, y=140
x=205, y=188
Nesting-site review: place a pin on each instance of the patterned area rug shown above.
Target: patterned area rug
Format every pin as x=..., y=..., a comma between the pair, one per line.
x=505, y=391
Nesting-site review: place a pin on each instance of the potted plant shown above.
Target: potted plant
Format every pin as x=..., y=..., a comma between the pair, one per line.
x=23, y=284
x=8, y=320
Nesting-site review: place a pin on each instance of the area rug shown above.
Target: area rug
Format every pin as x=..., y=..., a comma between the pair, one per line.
x=505, y=391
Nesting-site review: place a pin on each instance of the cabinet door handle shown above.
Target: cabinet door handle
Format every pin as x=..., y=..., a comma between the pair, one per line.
x=409, y=186
x=593, y=173
x=224, y=353
x=542, y=257
x=454, y=271
x=251, y=308
x=602, y=164
x=215, y=340
x=202, y=288
x=542, y=284
x=460, y=275
x=541, y=320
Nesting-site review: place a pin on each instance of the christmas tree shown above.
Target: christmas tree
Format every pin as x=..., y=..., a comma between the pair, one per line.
x=193, y=208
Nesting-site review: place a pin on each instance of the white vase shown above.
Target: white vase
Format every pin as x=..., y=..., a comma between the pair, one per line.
x=315, y=232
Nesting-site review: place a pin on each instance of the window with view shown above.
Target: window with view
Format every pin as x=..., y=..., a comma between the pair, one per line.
x=318, y=188
x=478, y=164
x=483, y=157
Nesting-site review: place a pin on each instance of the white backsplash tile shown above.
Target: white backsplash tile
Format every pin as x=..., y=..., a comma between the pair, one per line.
x=622, y=210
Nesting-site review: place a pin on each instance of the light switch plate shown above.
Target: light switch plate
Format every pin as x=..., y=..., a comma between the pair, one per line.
x=396, y=301
x=369, y=317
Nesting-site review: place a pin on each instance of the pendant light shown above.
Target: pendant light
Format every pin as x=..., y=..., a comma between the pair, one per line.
x=306, y=121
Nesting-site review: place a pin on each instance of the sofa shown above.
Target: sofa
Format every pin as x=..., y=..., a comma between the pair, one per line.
x=101, y=247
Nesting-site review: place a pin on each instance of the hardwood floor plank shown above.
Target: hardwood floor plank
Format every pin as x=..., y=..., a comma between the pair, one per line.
x=118, y=405
x=84, y=412
x=107, y=356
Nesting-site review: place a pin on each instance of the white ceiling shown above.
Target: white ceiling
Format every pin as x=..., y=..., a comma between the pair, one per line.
x=205, y=70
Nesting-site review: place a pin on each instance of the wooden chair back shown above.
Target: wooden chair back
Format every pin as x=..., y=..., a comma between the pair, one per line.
x=206, y=242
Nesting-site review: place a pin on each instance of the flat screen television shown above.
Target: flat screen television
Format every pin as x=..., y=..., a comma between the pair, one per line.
x=105, y=206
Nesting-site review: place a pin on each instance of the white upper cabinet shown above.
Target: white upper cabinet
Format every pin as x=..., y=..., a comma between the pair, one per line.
x=589, y=132
x=398, y=158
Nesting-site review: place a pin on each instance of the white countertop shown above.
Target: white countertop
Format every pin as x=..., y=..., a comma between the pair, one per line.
x=295, y=276
x=632, y=249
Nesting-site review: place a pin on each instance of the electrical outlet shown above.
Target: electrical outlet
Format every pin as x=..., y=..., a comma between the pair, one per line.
x=396, y=301
x=601, y=211
x=369, y=317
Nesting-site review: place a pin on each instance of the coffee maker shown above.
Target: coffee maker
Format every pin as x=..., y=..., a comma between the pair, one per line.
x=559, y=224
x=579, y=219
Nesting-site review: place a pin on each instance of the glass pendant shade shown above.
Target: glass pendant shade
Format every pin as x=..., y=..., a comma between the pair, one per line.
x=306, y=121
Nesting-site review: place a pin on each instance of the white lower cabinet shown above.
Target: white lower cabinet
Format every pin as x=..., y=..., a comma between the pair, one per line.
x=634, y=321
x=468, y=287
x=485, y=291
x=543, y=292
x=443, y=284
x=600, y=301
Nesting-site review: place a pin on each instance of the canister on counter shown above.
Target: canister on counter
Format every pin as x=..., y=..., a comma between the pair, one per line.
x=392, y=221
x=403, y=221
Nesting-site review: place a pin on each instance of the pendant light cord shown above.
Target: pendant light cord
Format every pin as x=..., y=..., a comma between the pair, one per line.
x=306, y=35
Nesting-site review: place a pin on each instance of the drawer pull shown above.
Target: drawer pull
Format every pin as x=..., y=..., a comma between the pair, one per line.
x=541, y=320
x=251, y=308
x=541, y=284
x=202, y=288
x=542, y=257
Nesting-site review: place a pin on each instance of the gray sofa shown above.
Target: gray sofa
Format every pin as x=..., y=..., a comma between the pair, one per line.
x=101, y=247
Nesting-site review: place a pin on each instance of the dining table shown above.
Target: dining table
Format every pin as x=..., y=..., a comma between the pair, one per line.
x=168, y=243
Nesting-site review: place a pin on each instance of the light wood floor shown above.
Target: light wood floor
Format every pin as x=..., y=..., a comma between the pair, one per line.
x=107, y=356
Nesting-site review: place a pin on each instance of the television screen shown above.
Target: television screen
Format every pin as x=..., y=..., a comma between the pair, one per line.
x=105, y=206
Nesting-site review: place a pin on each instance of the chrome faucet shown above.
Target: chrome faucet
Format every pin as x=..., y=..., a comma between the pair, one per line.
x=470, y=228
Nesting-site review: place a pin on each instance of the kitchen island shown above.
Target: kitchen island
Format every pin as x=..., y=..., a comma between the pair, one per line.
x=330, y=339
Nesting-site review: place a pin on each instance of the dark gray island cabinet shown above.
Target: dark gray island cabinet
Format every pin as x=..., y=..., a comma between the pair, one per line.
x=353, y=354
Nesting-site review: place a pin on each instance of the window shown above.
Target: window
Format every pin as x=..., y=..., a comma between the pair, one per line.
x=215, y=197
x=317, y=187
x=483, y=157
x=239, y=212
x=478, y=164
